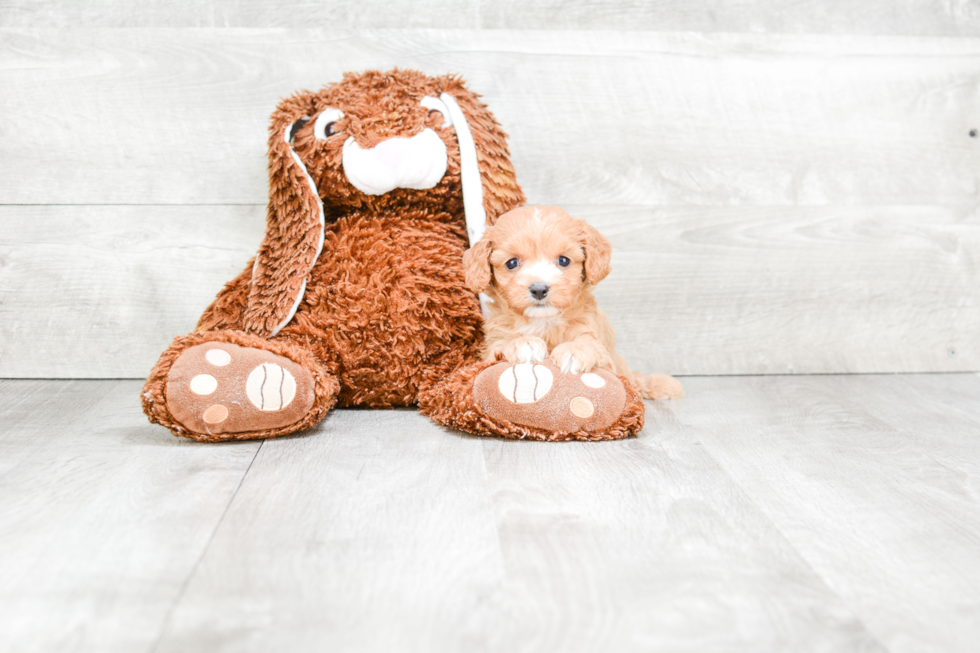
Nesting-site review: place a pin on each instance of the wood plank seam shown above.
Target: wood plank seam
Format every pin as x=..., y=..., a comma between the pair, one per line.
x=197, y=563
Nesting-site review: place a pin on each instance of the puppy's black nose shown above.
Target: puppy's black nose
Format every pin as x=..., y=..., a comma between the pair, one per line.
x=539, y=290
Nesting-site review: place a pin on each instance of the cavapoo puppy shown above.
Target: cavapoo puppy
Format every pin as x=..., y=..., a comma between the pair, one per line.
x=538, y=265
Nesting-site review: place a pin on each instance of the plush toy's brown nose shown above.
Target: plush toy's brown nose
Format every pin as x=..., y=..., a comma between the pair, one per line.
x=538, y=290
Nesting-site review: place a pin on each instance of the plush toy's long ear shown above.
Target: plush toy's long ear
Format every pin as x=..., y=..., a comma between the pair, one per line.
x=489, y=182
x=294, y=228
x=598, y=251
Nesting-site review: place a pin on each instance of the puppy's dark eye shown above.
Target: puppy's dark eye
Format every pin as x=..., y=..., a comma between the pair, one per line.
x=511, y=264
x=329, y=129
x=563, y=261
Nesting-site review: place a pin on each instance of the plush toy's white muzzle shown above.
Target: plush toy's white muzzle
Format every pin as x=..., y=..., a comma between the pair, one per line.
x=418, y=162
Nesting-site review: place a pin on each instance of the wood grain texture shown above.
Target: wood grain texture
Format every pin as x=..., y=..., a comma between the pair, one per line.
x=384, y=532
x=881, y=506
x=100, y=291
x=103, y=516
x=807, y=513
x=767, y=290
x=920, y=408
x=778, y=203
x=922, y=17
x=646, y=545
x=143, y=116
x=373, y=533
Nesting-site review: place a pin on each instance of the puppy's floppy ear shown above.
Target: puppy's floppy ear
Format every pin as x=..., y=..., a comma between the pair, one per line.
x=294, y=227
x=476, y=265
x=598, y=251
x=498, y=181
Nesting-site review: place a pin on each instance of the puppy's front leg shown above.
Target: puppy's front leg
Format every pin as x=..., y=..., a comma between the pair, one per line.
x=581, y=355
x=526, y=349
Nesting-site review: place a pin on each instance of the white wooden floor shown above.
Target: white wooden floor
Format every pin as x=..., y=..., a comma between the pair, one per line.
x=807, y=513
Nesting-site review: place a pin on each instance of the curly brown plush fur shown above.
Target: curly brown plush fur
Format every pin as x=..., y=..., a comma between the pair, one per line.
x=364, y=291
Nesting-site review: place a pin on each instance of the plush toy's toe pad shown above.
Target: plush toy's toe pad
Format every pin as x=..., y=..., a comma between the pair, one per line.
x=218, y=387
x=540, y=395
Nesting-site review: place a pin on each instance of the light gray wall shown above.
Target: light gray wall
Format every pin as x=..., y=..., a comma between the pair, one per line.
x=788, y=191
x=851, y=17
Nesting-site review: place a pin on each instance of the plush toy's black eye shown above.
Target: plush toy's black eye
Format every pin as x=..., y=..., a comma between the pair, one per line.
x=326, y=123
x=563, y=261
x=511, y=264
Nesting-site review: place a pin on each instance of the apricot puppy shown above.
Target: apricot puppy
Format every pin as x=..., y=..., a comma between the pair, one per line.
x=537, y=266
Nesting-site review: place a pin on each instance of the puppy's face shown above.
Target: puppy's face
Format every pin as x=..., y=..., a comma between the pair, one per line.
x=538, y=260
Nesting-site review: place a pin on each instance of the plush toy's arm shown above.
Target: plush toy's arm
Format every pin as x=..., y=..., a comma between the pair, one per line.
x=228, y=308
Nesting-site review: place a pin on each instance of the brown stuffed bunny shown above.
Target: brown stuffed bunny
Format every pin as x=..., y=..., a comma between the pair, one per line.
x=377, y=185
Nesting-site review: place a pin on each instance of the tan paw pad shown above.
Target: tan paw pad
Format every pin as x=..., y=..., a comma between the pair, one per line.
x=218, y=357
x=218, y=387
x=204, y=384
x=270, y=387
x=525, y=383
x=542, y=396
x=581, y=407
x=215, y=414
x=593, y=380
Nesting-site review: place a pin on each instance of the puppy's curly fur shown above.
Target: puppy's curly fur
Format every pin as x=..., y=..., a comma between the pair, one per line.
x=538, y=266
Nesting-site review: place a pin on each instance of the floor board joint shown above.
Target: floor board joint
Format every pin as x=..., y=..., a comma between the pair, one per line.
x=204, y=551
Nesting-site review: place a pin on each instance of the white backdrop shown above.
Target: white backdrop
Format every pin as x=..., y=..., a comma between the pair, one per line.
x=789, y=189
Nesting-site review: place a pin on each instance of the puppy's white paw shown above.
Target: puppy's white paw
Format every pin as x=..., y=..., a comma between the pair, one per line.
x=526, y=349
x=569, y=364
x=578, y=357
x=533, y=351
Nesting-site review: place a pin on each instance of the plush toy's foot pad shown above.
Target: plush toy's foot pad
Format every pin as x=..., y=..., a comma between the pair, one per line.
x=540, y=395
x=218, y=387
